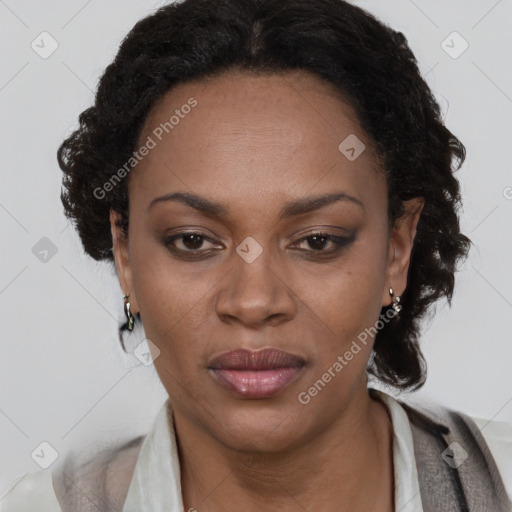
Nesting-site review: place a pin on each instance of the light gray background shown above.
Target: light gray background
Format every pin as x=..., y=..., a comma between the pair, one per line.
x=63, y=376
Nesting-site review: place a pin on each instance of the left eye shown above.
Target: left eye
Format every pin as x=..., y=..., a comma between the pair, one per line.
x=318, y=241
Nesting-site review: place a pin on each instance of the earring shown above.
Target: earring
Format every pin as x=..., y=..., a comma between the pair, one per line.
x=130, y=319
x=396, y=302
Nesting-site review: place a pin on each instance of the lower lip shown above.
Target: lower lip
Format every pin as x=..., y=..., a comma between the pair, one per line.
x=256, y=383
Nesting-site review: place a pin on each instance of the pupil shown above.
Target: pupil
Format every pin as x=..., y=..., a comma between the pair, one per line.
x=315, y=240
x=197, y=241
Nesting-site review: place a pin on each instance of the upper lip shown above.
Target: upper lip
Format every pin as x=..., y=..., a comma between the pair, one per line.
x=265, y=359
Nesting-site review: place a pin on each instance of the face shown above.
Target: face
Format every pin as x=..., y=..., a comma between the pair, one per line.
x=250, y=229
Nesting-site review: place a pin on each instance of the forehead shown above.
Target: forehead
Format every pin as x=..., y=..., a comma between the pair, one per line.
x=245, y=135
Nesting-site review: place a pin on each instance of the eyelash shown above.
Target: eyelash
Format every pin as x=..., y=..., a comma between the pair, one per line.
x=340, y=242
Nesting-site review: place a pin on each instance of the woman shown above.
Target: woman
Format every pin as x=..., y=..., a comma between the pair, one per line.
x=274, y=184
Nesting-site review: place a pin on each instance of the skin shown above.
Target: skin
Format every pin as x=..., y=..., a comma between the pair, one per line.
x=254, y=143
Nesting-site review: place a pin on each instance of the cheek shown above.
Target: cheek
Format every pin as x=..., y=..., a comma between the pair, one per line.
x=346, y=305
x=175, y=302
x=169, y=304
x=346, y=297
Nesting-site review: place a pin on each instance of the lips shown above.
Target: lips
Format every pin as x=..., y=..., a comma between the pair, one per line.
x=267, y=359
x=256, y=375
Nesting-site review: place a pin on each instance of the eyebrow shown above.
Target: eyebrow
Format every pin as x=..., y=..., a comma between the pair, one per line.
x=290, y=209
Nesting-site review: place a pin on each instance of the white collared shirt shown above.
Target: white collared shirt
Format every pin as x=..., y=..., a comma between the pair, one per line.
x=156, y=483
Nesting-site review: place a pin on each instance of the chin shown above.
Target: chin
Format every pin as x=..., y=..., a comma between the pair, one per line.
x=251, y=427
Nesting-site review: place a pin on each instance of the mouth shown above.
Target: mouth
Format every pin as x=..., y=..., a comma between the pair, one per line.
x=256, y=374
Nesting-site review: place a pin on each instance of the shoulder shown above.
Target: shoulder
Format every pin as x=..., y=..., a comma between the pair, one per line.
x=98, y=482
x=492, y=436
x=498, y=436
x=33, y=491
x=84, y=483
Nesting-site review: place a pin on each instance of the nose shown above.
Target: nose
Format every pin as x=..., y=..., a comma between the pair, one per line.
x=255, y=294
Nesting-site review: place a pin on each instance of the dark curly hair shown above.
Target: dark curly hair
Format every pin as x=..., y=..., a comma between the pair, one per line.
x=370, y=64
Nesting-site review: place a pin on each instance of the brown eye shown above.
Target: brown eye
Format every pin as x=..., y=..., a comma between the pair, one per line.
x=318, y=242
x=325, y=243
x=192, y=241
x=187, y=242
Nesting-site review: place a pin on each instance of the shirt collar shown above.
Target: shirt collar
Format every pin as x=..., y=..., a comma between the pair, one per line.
x=156, y=482
x=407, y=489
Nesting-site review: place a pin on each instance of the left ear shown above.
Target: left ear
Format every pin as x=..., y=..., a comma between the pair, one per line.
x=400, y=247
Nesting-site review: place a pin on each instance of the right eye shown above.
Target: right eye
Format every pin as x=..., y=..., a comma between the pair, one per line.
x=187, y=242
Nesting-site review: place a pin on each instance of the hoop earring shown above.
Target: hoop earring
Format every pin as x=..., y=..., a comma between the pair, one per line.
x=396, y=302
x=130, y=319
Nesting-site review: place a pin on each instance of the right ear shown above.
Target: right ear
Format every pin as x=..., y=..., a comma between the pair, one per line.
x=122, y=259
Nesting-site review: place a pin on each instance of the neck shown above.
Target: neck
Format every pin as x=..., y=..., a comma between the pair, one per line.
x=343, y=468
